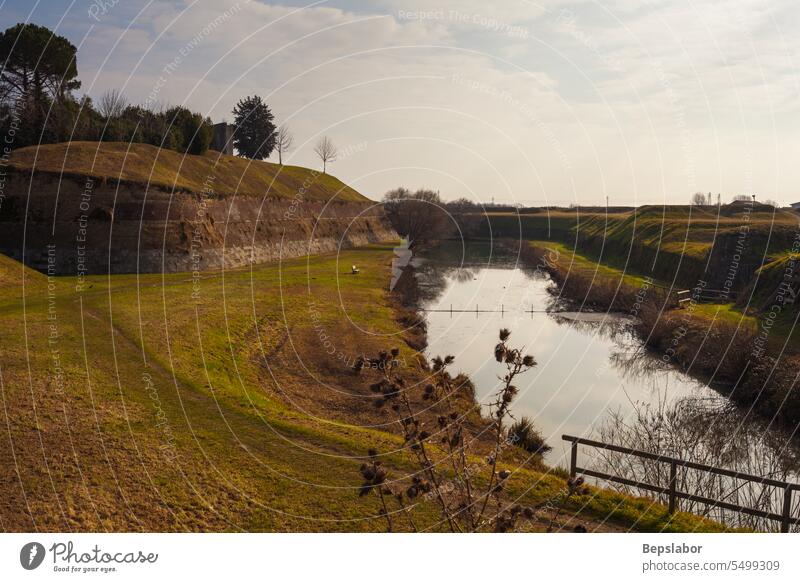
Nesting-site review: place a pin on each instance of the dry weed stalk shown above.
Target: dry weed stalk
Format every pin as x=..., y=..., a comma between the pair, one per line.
x=445, y=451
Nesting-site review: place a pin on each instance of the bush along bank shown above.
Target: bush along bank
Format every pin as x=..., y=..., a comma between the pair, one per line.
x=730, y=352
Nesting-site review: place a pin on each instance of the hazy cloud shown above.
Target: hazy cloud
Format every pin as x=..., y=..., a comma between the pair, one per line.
x=530, y=101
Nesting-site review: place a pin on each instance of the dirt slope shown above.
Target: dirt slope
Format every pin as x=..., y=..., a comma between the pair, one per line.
x=89, y=208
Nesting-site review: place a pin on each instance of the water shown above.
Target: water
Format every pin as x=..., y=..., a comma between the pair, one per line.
x=580, y=374
x=594, y=378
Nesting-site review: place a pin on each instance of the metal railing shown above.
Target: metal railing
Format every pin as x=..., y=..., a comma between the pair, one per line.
x=476, y=310
x=672, y=492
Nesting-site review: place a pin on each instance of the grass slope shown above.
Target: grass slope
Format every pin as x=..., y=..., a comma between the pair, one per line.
x=148, y=165
x=13, y=275
x=225, y=403
x=628, y=282
x=667, y=242
x=688, y=231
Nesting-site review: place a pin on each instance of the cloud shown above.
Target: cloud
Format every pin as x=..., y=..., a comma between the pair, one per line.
x=556, y=101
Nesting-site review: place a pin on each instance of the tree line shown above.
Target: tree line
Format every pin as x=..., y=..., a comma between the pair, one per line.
x=707, y=199
x=38, y=105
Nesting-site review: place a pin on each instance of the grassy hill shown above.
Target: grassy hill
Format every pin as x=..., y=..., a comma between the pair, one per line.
x=684, y=229
x=679, y=244
x=14, y=274
x=671, y=228
x=146, y=164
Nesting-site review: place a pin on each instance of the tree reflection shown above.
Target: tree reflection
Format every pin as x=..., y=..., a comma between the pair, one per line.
x=704, y=430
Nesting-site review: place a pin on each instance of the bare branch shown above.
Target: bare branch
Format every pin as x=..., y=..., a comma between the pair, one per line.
x=326, y=151
x=284, y=140
x=111, y=104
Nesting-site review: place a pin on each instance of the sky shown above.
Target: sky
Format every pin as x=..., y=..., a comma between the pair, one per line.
x=551, y=102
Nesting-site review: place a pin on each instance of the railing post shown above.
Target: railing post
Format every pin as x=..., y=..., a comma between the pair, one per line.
x=787, y=509
x=786, y=517
x=573, y=459
x=673, y=478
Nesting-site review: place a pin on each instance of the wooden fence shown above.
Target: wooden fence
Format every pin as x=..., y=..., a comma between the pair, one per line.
x=672, y=492
x=685, y=296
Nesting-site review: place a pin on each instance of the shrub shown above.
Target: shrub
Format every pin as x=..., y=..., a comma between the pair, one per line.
x=525, y=436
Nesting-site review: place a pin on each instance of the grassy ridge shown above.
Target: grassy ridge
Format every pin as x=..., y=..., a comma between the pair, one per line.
x=753, y=357
x=149, y=165
x=13, y=275
x=771, y=275
x=162, y=402
x=673, y=243
x=623, y=285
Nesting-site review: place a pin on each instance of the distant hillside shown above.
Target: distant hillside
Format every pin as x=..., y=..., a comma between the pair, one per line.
x=145, y=164
x=674, y=243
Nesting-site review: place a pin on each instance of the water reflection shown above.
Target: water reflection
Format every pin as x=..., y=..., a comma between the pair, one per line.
x=710, y=431
x=595, y=379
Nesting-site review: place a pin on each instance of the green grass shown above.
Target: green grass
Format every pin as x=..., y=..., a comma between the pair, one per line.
x=574, y=262
x=725, y=312
x=631, y=282
x=772, y=274
x=214, y=387
x=672, y=243
x=161, y=403
x=14, y=275
x=149, y=165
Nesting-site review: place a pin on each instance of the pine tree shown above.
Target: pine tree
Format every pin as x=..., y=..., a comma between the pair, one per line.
x=254, y=135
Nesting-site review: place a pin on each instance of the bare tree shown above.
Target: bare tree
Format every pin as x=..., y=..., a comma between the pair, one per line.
x=421, y=216
x=283, y=142
x=698, y=199
x=706, y=431
x=326, y=151
x=111, y=104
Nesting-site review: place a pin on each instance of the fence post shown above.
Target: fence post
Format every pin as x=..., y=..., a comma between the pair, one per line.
x=787, y=509
x=673, y=477
x=573, y=459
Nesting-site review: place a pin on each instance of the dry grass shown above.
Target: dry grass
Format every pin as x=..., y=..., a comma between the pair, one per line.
x=13, y=275
x=221, y=412
x=580, y=280
x=717, y=347
x=715, y=341
x=671, y=243
x=148, y=165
